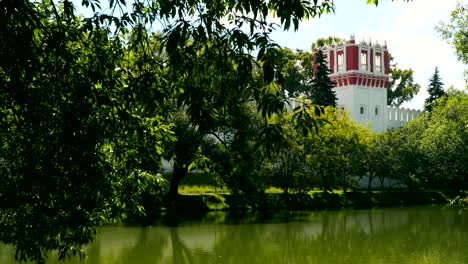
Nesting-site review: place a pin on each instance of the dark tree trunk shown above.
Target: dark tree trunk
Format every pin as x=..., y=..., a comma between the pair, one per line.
x=325, y=183
x=369, y=185
x=344, y=183
x=177, y=175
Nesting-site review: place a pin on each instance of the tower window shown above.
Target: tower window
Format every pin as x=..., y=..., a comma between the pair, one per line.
x=378, y=63
x=361, y=110
x=363, y=61
x=340, y=62
x=376, y=111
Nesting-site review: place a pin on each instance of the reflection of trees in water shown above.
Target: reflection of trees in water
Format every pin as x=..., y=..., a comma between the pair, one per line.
x=149, y=248
x=123, y=246
x=411, y=235
x=180, y=253
x=378, y=236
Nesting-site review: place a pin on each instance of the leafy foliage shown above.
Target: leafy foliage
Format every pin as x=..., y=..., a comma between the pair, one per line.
x=295, y=71
x=402, y=87
x=72, y=131
x=320, y=42
x=456, y=31
x=444, y=141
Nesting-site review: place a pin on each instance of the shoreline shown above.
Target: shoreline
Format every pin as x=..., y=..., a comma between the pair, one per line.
x=196, y=205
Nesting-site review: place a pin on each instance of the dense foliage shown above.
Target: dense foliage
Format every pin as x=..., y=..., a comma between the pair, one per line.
x=91, y=105
x=402, y=87
x=456, y=31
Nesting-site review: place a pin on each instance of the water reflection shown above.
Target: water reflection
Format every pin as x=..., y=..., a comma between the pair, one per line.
x=395, y=235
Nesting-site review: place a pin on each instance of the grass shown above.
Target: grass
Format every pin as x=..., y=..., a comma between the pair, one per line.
x=204, y=188
x=188, y=189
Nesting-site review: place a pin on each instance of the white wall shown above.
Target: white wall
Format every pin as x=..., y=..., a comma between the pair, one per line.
x=352, y=98
x=397, y=117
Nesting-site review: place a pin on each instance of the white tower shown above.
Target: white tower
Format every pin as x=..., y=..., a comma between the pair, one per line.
x=360, y=71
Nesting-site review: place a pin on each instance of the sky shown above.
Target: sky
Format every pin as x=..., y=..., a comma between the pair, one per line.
x=407, y=27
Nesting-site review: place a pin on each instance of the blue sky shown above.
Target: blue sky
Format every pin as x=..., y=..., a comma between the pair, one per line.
x=407, y=27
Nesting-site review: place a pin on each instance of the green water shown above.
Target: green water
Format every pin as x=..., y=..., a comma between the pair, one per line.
x=392, y=235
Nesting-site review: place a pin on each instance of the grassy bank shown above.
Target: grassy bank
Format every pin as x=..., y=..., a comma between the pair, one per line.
x=187, y=203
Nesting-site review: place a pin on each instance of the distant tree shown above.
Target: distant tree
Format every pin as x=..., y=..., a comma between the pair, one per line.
x=456, y=32
x=445, y=140
x=402, y=87
x=320, y=42
x=438, y=143
x=435, y=89
x=321, y=90
x=338, y=152
x=294, y=71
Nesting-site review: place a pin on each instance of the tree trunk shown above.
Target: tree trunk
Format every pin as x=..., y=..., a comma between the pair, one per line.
x=344, y=184
x=177, y=175
x=325, y=183
x=369, y=185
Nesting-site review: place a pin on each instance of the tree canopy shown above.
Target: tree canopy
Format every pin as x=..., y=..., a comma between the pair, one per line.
x=456, y=31
x=401, y=87
x=320, y=42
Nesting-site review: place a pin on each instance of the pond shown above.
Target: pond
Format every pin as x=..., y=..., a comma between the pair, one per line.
x=429, y=234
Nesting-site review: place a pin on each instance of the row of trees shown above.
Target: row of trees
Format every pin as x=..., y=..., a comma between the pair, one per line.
x=429, y=152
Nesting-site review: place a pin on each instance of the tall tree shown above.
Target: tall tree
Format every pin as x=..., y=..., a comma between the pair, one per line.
x=435, y=90
x=322, y=86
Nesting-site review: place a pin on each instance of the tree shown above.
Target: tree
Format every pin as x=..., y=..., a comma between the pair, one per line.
x=183, y=150
x=320, y=42
x=435, y=90
x=401, y=87
x=294, y=71
x=322, y=86
x=393, y=155
x=289, y=170
x=456, y=31
x=444, y=142
x=78, y=138
x=432, y=148
x=337, y=153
